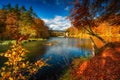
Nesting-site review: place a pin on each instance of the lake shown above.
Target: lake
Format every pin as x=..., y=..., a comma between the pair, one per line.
x=60, y=51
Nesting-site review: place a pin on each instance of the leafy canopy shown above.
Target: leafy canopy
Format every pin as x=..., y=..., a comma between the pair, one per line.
x=93, y=12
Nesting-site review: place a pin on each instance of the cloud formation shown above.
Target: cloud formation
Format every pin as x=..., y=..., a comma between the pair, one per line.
x=57, y=23
x=67, y=8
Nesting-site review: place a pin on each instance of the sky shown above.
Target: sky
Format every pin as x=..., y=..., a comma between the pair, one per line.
x=53, y=12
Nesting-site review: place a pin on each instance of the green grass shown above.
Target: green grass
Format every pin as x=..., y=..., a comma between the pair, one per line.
x=9, y=42
x=66, y=75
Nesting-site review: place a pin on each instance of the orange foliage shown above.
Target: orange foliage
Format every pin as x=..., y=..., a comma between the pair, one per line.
x=82, y=68
x=41, y=28
x=72, y=32
x=14, y=21
x=2, y=15
x=105, y=29
x=105, y=66
x=11, y=19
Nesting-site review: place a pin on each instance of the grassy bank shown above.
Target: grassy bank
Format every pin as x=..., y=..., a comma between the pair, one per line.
x=9, y=42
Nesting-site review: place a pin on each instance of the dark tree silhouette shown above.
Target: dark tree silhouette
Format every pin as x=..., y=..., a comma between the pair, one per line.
x=90, y=13
x=22, y=9
x=2, y=20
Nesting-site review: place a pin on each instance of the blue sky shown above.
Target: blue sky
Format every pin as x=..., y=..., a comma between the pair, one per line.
x=53, y=12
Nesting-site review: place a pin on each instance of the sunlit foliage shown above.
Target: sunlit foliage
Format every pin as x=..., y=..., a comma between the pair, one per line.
x=41, y=29
x=72, y=32
x=21, y=21
x=104, y=30
x=16, y=67
x=91, y=13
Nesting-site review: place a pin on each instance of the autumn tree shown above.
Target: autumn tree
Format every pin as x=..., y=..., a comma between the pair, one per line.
x=9, y=20
x=41, y=28
x=2, y=20
x=18, y=22
x=91, y=13
x=26, y=22
x=72, y=31
x=11, y=25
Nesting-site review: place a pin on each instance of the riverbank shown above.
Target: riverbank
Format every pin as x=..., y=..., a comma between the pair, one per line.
x=8, y=42
x=104, y=66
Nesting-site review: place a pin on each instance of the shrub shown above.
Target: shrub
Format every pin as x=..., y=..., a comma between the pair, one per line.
x=16, y=67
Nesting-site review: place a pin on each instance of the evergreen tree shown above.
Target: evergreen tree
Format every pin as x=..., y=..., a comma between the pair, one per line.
x=22, y=9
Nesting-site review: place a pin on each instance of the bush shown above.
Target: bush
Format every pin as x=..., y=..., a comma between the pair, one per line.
x=16, y=67
x=69, y=74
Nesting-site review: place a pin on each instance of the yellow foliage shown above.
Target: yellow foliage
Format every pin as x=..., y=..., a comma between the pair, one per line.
x=16, y=66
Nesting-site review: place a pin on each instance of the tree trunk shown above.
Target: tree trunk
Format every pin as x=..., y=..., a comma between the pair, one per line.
x=95, y=49
x=97, y=36
x=90, y=32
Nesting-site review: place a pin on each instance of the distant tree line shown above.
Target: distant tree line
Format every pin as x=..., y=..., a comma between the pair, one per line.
x=17, y=21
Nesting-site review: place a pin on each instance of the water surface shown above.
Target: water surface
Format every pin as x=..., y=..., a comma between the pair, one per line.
x=60, y=51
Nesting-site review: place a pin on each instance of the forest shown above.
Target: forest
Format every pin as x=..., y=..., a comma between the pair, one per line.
x=98, y=20
x=17, y=21
x=89, y=49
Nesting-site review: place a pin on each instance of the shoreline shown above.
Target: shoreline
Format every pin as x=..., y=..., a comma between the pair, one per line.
x=105, y=65
x=8, y=42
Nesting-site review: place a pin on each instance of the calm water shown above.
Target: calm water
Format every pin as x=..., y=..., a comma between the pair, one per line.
x=60, y=51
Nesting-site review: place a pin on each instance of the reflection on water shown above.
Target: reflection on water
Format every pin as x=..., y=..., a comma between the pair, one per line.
x=69, y=47
x=36, y=50
x=61, y=54
x=61, y=51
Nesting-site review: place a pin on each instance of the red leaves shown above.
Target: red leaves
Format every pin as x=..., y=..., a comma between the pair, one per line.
x=11, y=19
x=21, y=38
x=82, y=68
x=105, y=66
x=88, y=13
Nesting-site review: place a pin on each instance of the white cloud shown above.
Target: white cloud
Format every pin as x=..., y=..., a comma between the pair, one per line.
x=57, y=23
x=67, y=8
